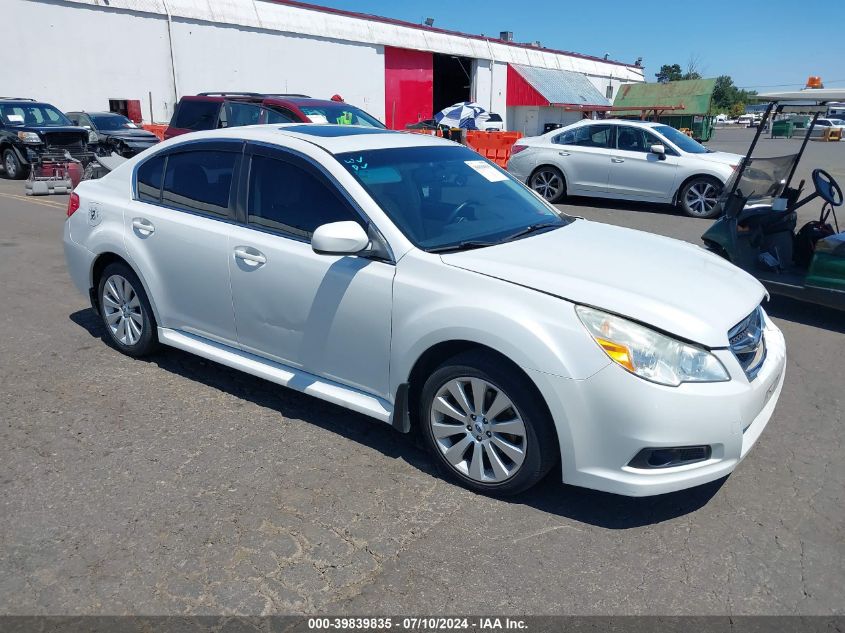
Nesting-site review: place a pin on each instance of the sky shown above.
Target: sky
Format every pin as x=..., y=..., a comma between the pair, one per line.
x=763, y=46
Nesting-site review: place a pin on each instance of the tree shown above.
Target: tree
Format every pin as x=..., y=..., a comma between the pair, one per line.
x=693, y=64
x=736, y=110
x=669, y=73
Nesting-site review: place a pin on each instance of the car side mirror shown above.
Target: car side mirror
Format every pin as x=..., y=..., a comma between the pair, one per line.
x=87, y=127
x=658, y=149
x=339, y=238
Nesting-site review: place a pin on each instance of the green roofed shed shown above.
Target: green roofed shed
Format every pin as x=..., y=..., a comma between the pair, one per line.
x=681, y=104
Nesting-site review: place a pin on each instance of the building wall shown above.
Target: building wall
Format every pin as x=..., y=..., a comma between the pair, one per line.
x=530, y=119
x=125, y=55
x=218, y=57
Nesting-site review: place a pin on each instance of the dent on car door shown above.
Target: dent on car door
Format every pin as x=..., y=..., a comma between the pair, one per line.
x=328, y=315
x=637, y=171
x=176, y=232
x=583, y=154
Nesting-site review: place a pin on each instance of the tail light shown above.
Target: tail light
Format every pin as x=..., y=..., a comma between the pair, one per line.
x=72, y=204
x=516, y=149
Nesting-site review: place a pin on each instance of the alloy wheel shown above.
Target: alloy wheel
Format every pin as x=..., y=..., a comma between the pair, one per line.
x=11, y=166
x=122, y=310
x=701, y=197
x=478, y=430
x=547, y=183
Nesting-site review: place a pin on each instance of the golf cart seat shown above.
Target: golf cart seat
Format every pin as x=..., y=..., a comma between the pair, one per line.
x=762, y=218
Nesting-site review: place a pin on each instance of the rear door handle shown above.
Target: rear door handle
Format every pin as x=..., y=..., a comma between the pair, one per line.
x=617, y=160
x=563, y=153
x=143, y=225
x=250, y=256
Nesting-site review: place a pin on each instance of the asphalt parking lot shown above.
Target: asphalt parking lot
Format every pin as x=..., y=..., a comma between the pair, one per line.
x=176, y=486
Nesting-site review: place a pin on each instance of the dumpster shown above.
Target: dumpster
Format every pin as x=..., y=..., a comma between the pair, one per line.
x=783, y=128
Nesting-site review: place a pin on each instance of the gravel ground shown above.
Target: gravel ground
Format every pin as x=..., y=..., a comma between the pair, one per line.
x=176, y=486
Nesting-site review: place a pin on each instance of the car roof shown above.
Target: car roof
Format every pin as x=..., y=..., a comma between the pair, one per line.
x=335, y=139
x=23, y=101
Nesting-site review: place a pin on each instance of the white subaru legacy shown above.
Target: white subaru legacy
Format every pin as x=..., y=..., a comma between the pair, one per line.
x=406, y=278
x=625, y=160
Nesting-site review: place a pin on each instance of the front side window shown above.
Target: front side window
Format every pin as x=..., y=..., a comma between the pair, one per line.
x=446, y=197
x=36, y=114
x=288, y=198
x=587, y=136
x=149, y=176
x=199, y=181
x=681, y=140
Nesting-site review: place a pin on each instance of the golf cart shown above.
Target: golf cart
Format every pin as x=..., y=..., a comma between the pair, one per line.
x=757, y=227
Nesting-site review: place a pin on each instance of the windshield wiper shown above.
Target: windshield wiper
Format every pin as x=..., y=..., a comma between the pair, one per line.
x=461, y=246
x=533, y=228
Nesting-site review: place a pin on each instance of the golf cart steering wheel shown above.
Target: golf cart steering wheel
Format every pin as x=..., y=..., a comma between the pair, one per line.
x=826, y=187
x=466, y=203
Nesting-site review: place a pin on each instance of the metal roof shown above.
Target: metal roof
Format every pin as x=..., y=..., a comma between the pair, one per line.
x=693, y=95
x=291, y=16
x=562, y=87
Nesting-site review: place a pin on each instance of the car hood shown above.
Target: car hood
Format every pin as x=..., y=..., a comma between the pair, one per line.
x=724, y=158
x=668, y=284
x=48, y=129
x=137, y=135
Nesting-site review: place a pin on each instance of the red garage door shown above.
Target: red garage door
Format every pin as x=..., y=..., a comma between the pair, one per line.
x=408, y=86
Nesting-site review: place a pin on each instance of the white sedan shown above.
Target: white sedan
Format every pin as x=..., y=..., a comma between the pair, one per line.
x=404, y=277
x=624, y=160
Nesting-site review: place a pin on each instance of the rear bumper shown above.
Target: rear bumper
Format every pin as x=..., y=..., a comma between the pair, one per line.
x=607, y=419
x=79, y=261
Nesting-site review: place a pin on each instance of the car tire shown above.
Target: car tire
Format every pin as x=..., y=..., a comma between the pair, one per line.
x=470, y=450
x=125, y=310
x=549, y=182
x=13, y=167
x=699, y=196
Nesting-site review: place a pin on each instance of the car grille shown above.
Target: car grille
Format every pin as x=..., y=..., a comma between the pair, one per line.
x=64, y=141
x=748, y=343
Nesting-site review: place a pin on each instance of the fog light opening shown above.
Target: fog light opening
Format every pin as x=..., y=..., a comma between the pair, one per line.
x=667, y=457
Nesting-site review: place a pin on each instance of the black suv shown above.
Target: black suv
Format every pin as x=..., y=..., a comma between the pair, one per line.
x=33, y=132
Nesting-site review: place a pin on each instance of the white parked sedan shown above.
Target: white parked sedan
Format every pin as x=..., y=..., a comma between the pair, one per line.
x=406, y=278
x=625, y=160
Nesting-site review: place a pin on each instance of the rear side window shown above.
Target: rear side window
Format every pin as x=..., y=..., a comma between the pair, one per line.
x=587, y=136
x=199, y=181
x=288, y=198
x=196, y=115
x=275, y=116
x=149, y=179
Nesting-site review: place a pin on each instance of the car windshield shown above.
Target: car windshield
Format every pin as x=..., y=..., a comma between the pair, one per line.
x=32, y=114
x=445, y=198
x=681, y=140
x=340, y=114
x=112, y=122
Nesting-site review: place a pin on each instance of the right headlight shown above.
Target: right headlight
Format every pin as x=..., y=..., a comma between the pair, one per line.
x=650, y=354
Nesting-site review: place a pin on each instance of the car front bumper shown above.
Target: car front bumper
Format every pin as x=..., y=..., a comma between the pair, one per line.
x=607, y=419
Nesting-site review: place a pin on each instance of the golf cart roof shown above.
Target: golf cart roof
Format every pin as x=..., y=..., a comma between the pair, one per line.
x=815, y=95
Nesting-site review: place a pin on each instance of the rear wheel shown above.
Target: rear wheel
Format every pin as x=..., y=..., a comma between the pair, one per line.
x=13, y=166
x=549, y=183
x=485, y=426
x=126, y=311
x=699, y=196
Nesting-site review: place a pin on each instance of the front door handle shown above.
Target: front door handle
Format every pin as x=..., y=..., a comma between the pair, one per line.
x=617, y=160
x=250, y=256
x=144, y=226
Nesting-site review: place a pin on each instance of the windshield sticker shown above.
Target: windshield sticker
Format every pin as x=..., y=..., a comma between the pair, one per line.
x=357, y=164
x=318, y=118
x=131, y=125
x=486, y=169
x=14, y=118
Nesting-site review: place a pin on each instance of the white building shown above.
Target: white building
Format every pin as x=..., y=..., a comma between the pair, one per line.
x=155, y=51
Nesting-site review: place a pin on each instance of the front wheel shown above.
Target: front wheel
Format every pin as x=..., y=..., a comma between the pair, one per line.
x=485, y=426
x=549, y=183
x=13, y=166
x=699, y=197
